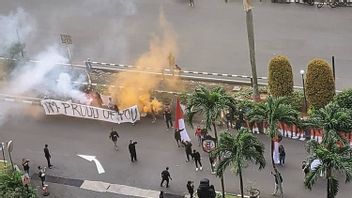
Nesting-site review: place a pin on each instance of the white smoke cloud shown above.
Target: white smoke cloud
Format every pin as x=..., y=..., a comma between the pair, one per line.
x=17, y=25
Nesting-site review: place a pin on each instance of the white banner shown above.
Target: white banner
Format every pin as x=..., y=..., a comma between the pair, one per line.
x=57, y=107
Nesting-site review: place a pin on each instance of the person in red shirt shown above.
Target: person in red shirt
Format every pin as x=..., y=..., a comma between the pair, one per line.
x=198, y=134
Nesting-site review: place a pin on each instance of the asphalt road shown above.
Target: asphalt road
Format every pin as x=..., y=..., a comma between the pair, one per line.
x=156, y=149
x=210, y=37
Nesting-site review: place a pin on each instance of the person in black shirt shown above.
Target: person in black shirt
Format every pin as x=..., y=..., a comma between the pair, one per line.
x=165, y=176
x=25, y=164
x=41, y=175
x=132, y=149
x=188, y=149
x=178, y=136
x=47, y=155
x=113, y=136
x=190, y=188
x=196, y=157
x=167, y=116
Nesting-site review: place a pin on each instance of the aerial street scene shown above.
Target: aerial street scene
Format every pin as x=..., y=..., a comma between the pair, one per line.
x=176, y=99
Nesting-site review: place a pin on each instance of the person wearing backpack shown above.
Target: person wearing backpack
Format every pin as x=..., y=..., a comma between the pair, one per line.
x=165, y=176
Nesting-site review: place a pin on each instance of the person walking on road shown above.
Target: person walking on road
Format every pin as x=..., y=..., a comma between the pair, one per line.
x=47, y=155
x=132, y=149
x=190, y=188
x=278, y=181
x=191, y=3
x=42, y=175
x=167, y=117
x=198, y=134
x=196, y=157
x=282, y=155
x=25, y=164
x=188, y=149
x=165, y=176
x=113, y=136
x=178, y=136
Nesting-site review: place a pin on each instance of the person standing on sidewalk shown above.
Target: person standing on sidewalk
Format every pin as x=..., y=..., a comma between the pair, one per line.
x=167, y=117
x=113, y=136
x=282, y=155
x=198, y=134
x=165, y=176
x=132, y=149
x=42, y=175
x=196, y=157
x=190, y=188
x=25, y=164
x=47, y=155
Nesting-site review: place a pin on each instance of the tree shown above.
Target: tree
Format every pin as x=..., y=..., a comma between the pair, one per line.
x=280, y=76
x=273, y=111
x=237, y=150
x=334, y=150
x=320, y=85
x=247, y=4
x=210, y=104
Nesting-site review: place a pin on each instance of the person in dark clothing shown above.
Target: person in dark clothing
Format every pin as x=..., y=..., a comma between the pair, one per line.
x=204, y=190
x=167, y=117
x=282, y=155
x=196, y=157
x=25, y=164
x=190, y=188
x=188, y=149
x=212, y=164
x=305, y=168
x=178, y=136
x=41, y=175
x=229, y=120
x=113, y=136
x=240, y=120
x=47, y=155
x=165, y=176
x=132, y=148
x=161, y=195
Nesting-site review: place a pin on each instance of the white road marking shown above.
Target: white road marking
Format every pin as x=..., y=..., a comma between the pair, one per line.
x=99, y=186
x=97, y=163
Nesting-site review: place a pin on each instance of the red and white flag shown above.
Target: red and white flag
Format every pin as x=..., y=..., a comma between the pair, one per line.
x=180, y=122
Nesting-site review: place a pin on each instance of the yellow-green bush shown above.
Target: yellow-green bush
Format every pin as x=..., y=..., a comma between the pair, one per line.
x=280, y=76
x=320, y=85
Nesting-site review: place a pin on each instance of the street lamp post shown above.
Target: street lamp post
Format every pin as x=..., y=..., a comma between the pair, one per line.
x=304, y=91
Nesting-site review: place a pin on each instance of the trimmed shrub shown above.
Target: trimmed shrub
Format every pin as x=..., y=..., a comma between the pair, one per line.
x=344, y=99
x=320, y=85
x=280, y=76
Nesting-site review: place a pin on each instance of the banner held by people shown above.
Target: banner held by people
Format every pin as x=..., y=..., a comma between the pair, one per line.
x=57, y=107
x=180, y=122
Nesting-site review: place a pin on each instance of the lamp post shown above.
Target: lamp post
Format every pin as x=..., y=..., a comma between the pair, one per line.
x=304, y=91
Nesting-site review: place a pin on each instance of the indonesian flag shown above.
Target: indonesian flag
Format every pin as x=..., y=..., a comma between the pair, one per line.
x=180, y=122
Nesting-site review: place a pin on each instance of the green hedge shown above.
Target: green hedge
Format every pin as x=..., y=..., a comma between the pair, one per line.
x=344, y=99
x=280, y=76
x=320, y=85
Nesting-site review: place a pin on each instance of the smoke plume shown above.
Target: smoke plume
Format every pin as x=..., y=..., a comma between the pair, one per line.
x=137, y=87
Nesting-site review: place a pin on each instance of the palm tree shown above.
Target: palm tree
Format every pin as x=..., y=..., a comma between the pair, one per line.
x=273, y=111
x=209, y=103
x=237, y=150
x=334, y=151
x=337, y=158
